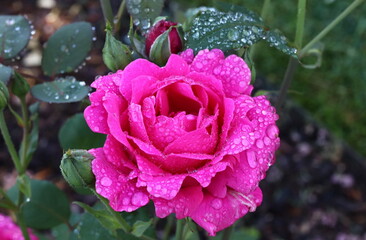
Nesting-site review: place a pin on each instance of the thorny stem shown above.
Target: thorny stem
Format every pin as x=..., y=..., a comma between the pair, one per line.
x=328, y=28
x=107, y=11
x=5, y=132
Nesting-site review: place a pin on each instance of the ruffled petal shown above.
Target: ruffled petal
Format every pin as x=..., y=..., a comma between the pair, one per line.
x=176, y=66
x=122, y=193
x=183, y=205
x=136, y=120
x=215, y=214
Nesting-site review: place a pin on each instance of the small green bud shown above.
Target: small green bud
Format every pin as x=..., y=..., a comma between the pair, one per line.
x=76, y=169
x=160, y=50
x=116, y=55
x=20, y=86
x=4, y=95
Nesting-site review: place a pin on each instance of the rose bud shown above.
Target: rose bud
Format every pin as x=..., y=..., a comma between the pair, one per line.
x=76, y=169
x=4, y=95
x=20, y=86
x=163, y=39
x=116, y=55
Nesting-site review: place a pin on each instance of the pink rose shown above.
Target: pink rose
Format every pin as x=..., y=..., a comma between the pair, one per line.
x=10, y=231
x=187, y=136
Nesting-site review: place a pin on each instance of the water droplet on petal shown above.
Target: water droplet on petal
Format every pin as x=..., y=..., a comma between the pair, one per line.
x=252, y=159
x=106, y=181
x=216, y=203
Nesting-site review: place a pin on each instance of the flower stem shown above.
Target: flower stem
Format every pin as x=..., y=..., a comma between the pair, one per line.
x=117, y=18
x=22, y=226
x=301, y=10
x=179, y=229
x=168, y=227
x=328, y=28
x=290, y=71
x=227, y=232
x=107, y=11
x=5, y=132
x=25, y=141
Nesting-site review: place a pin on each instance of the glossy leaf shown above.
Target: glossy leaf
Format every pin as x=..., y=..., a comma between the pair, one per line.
x=90, y=228
x=15, y=32
x=231, y=30
x=62, y=90
x=75, y=134
x=5, y=73
x=67, y=48
x=144, y=12
x=103, y=216
x=139, y=227
x=47, y=207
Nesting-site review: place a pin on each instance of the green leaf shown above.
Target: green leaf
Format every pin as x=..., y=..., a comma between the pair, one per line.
x=144, y=12
x=139, y=227
x=75, y=134
x=67, y=48
x=103, y=216
x=160, y=50
x=231, y=30
x=47, y=207
x=5, y=73
x=90, y=228
x=15, y=32
x=61, y=232
x=62, y=90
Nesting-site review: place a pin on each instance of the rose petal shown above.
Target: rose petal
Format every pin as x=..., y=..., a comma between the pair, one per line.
x=116, y=154
x=139, y=67
x=142, y=87
x=232, y=71
x=95, y=115
x=215, y=214
x=122, y=193
x=137, y=126
x=187, y=55
x=176, y=66
x=183, y=205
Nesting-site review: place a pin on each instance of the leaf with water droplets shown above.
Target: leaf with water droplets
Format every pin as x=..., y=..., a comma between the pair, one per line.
x=279, y=41
x=232, y=30
x=75, y=134
x=5, y=73
x=144, y=12
x=103, y=216
x=62, y=90
x=47, y=207
x=90, y=228
x=15, y=32
x=226, y=31
x=67, y=48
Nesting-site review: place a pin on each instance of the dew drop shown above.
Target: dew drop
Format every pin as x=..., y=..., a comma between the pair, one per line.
x=233, y=35
x=252, y=159
x=106, y=181
x=216, y=203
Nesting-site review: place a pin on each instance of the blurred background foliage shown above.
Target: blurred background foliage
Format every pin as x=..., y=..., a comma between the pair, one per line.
x=334, y=93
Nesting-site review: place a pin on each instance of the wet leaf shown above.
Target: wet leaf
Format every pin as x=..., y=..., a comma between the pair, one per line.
x=75, y=134
x=144, y=12
x=231, y=30
x=67, y=48
x=103, y=216
x=15, y=32
x=47, y=207
x=5, y=73
x=90, y=228
x=62, y=90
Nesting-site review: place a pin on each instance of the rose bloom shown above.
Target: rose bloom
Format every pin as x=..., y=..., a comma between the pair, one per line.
x=187, y=136
x=10, y=231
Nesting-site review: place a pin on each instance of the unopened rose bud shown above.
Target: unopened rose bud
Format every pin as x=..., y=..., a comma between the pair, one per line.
x=116, y=55
x=76, y=169
x=20, y=86
x=4, y=95
x=163, y=31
